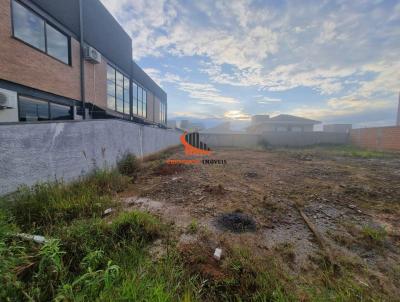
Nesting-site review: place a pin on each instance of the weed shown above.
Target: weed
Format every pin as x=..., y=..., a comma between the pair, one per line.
x=375, y=235
x=129, y=165
x=193, y=227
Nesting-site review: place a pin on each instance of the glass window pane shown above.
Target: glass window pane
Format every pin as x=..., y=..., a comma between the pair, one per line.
x=127, y=109
x=120, y=93
x=110, y=74
x=144, y=103
x=111, y=102
x=28, y=26
x=33, y=110
x=57, y=44
x=120, y=79
x=120, y=105
x=60, y=112
x=110, y=88
x=134, y=90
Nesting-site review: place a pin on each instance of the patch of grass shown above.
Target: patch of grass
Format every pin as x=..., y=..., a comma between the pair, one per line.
x=139, y=226
x=375, y=235
x=39, y=208
x=193, y=227
x=129, y=165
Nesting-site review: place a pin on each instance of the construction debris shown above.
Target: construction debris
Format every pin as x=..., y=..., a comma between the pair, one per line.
x=107, y=212
x=217, y=254
x=35, y=238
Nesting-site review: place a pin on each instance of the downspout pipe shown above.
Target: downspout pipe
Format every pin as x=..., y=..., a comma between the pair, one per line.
x=82, y=56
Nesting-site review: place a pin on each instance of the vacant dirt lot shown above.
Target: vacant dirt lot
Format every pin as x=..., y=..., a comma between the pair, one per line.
x=313, y=208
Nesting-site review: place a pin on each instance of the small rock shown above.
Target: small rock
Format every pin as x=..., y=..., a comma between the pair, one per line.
x=359, y=211
x=251, y=174
x=217, y=254
x=352, y=206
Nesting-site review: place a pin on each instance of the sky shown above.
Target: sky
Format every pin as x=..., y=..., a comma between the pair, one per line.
x=225, y=60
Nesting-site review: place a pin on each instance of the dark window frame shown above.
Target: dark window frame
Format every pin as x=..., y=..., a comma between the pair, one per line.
x=41, y=100
x=45, y=22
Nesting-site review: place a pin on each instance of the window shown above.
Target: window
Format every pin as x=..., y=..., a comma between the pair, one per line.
x=163, y=113
x=57, y=44
x=140, y=101
x=60, y=112
x=127, y=104
x=33, y=30
x=28, y=26
x=135, y=98
x=117, y=91
x=144, y=103
x=32, y=110
x=120, y=92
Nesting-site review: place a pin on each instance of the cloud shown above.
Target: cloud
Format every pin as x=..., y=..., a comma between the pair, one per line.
x=339, y=50
x=237, y=115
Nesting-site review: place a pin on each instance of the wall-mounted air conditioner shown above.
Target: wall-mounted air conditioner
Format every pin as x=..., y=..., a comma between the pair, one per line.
x=8, y=99
x=92, y=55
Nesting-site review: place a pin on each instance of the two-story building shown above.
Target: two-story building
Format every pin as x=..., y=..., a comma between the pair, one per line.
x=64, y=60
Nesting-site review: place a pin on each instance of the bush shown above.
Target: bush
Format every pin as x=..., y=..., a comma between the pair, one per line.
x=129, y=165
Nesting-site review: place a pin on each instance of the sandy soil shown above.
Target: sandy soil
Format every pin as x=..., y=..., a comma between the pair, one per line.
x=342, y=197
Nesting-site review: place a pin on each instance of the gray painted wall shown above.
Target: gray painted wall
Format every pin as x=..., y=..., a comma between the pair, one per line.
x=290, y=139
x=31, y=153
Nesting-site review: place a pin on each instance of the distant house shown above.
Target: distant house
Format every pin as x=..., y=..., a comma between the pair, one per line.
x=280, y=123
x=342, y=128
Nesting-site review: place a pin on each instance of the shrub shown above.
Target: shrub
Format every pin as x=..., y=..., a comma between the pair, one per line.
x=129, y=165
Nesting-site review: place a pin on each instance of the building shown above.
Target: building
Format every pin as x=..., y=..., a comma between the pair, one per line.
x=280, y=123
x=63, y=60
x=338, y=128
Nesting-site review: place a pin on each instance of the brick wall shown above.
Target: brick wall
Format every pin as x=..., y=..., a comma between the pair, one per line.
x=22, y=64
x=96, y=83
x=380, y=138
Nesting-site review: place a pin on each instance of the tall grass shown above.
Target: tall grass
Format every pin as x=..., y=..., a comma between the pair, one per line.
x=45, y=205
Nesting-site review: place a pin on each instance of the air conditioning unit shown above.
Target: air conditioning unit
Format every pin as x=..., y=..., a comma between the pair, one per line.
x=92, y=55
x=8, y=99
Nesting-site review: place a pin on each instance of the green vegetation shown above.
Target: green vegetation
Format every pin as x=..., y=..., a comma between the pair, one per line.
x=376, y=236
x=193, y=227
x=88, y=257
x=129, y=165
x=357, y=152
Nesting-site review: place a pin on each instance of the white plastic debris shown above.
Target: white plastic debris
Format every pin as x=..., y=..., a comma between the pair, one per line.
x=36, y=238
x=217, y=254
x=107, y=212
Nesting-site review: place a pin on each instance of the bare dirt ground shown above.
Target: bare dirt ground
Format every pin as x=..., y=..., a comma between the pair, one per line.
x=307, y=204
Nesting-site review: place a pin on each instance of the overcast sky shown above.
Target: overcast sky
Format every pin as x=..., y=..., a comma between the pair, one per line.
x=334, y=61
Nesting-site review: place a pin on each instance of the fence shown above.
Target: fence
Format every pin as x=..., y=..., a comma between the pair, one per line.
x=380, y=138
x=289, y=139
x=30, y=153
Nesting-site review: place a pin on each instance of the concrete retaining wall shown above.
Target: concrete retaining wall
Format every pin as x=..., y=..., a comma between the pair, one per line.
x=299, y=139
x=230, y=140
x=31, y=153
x=290, y=139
